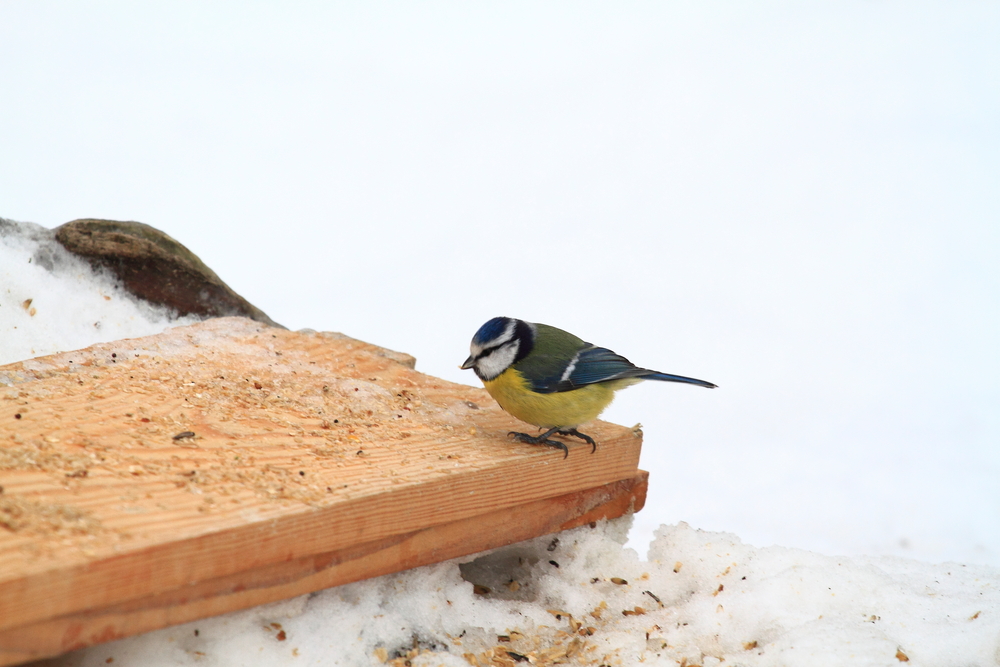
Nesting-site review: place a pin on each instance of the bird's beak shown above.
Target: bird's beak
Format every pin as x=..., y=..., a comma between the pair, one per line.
x=469, y=363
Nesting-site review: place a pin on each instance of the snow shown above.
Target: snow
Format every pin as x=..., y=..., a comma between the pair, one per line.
x=796, y=202
x=52, y=301
x=702, y=598
x=582, y=597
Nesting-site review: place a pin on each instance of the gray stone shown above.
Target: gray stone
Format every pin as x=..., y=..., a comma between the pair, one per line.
x=156, y=268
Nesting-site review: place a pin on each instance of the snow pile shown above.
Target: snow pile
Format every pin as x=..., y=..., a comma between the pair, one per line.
x=581, y=598
x=52, y=301
x=576, y=598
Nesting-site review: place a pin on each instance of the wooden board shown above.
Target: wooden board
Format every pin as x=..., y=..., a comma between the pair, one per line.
x=315, y=460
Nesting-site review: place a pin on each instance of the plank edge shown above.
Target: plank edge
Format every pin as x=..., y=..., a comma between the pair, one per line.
x=272, y=583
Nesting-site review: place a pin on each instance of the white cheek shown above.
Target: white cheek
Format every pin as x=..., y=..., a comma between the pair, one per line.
x=497, y=361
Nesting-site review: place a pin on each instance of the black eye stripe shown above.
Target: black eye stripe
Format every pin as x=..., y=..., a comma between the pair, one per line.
x=490, y=350
x=522, y=336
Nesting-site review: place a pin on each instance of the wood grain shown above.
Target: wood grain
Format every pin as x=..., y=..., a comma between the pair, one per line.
x=315, y=460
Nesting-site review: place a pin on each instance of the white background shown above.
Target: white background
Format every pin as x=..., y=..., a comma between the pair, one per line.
x=800, y=203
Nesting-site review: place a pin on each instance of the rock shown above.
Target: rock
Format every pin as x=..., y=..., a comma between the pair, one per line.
x=156, y=268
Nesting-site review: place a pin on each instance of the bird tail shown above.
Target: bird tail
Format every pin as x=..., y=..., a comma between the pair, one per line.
x=666, y=377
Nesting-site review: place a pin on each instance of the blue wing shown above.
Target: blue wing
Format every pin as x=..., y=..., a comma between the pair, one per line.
x=597, y=364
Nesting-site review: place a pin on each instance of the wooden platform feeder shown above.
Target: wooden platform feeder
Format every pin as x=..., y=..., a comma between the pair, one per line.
x=159, y=480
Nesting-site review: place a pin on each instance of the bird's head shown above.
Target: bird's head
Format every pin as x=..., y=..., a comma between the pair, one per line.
x=498, y=344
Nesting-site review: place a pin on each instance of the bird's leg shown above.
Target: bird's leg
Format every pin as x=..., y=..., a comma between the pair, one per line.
x=542, y=439
x=583, y=436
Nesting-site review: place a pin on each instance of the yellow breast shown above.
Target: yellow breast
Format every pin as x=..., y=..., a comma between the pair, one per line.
x=565, y=409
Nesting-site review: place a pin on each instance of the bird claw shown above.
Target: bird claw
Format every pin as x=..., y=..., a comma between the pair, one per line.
x=540, y=440
x=583, y=436
x=543, y=439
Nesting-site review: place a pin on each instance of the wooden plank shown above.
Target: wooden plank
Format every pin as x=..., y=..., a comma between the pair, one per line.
x=316, y=460
x=285, y=580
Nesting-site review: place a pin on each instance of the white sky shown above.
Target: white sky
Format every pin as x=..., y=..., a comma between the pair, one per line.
x=798, y=203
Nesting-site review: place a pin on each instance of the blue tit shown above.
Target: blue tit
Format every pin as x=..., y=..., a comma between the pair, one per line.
x=550, y=378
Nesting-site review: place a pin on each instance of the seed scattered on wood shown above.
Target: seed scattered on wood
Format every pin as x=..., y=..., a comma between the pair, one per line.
x=183, y=435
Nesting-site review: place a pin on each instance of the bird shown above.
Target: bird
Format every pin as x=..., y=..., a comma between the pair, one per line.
x=552, y=379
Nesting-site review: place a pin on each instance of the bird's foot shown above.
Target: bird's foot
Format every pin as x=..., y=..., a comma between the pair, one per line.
x=542, y=439
x=583, y=436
